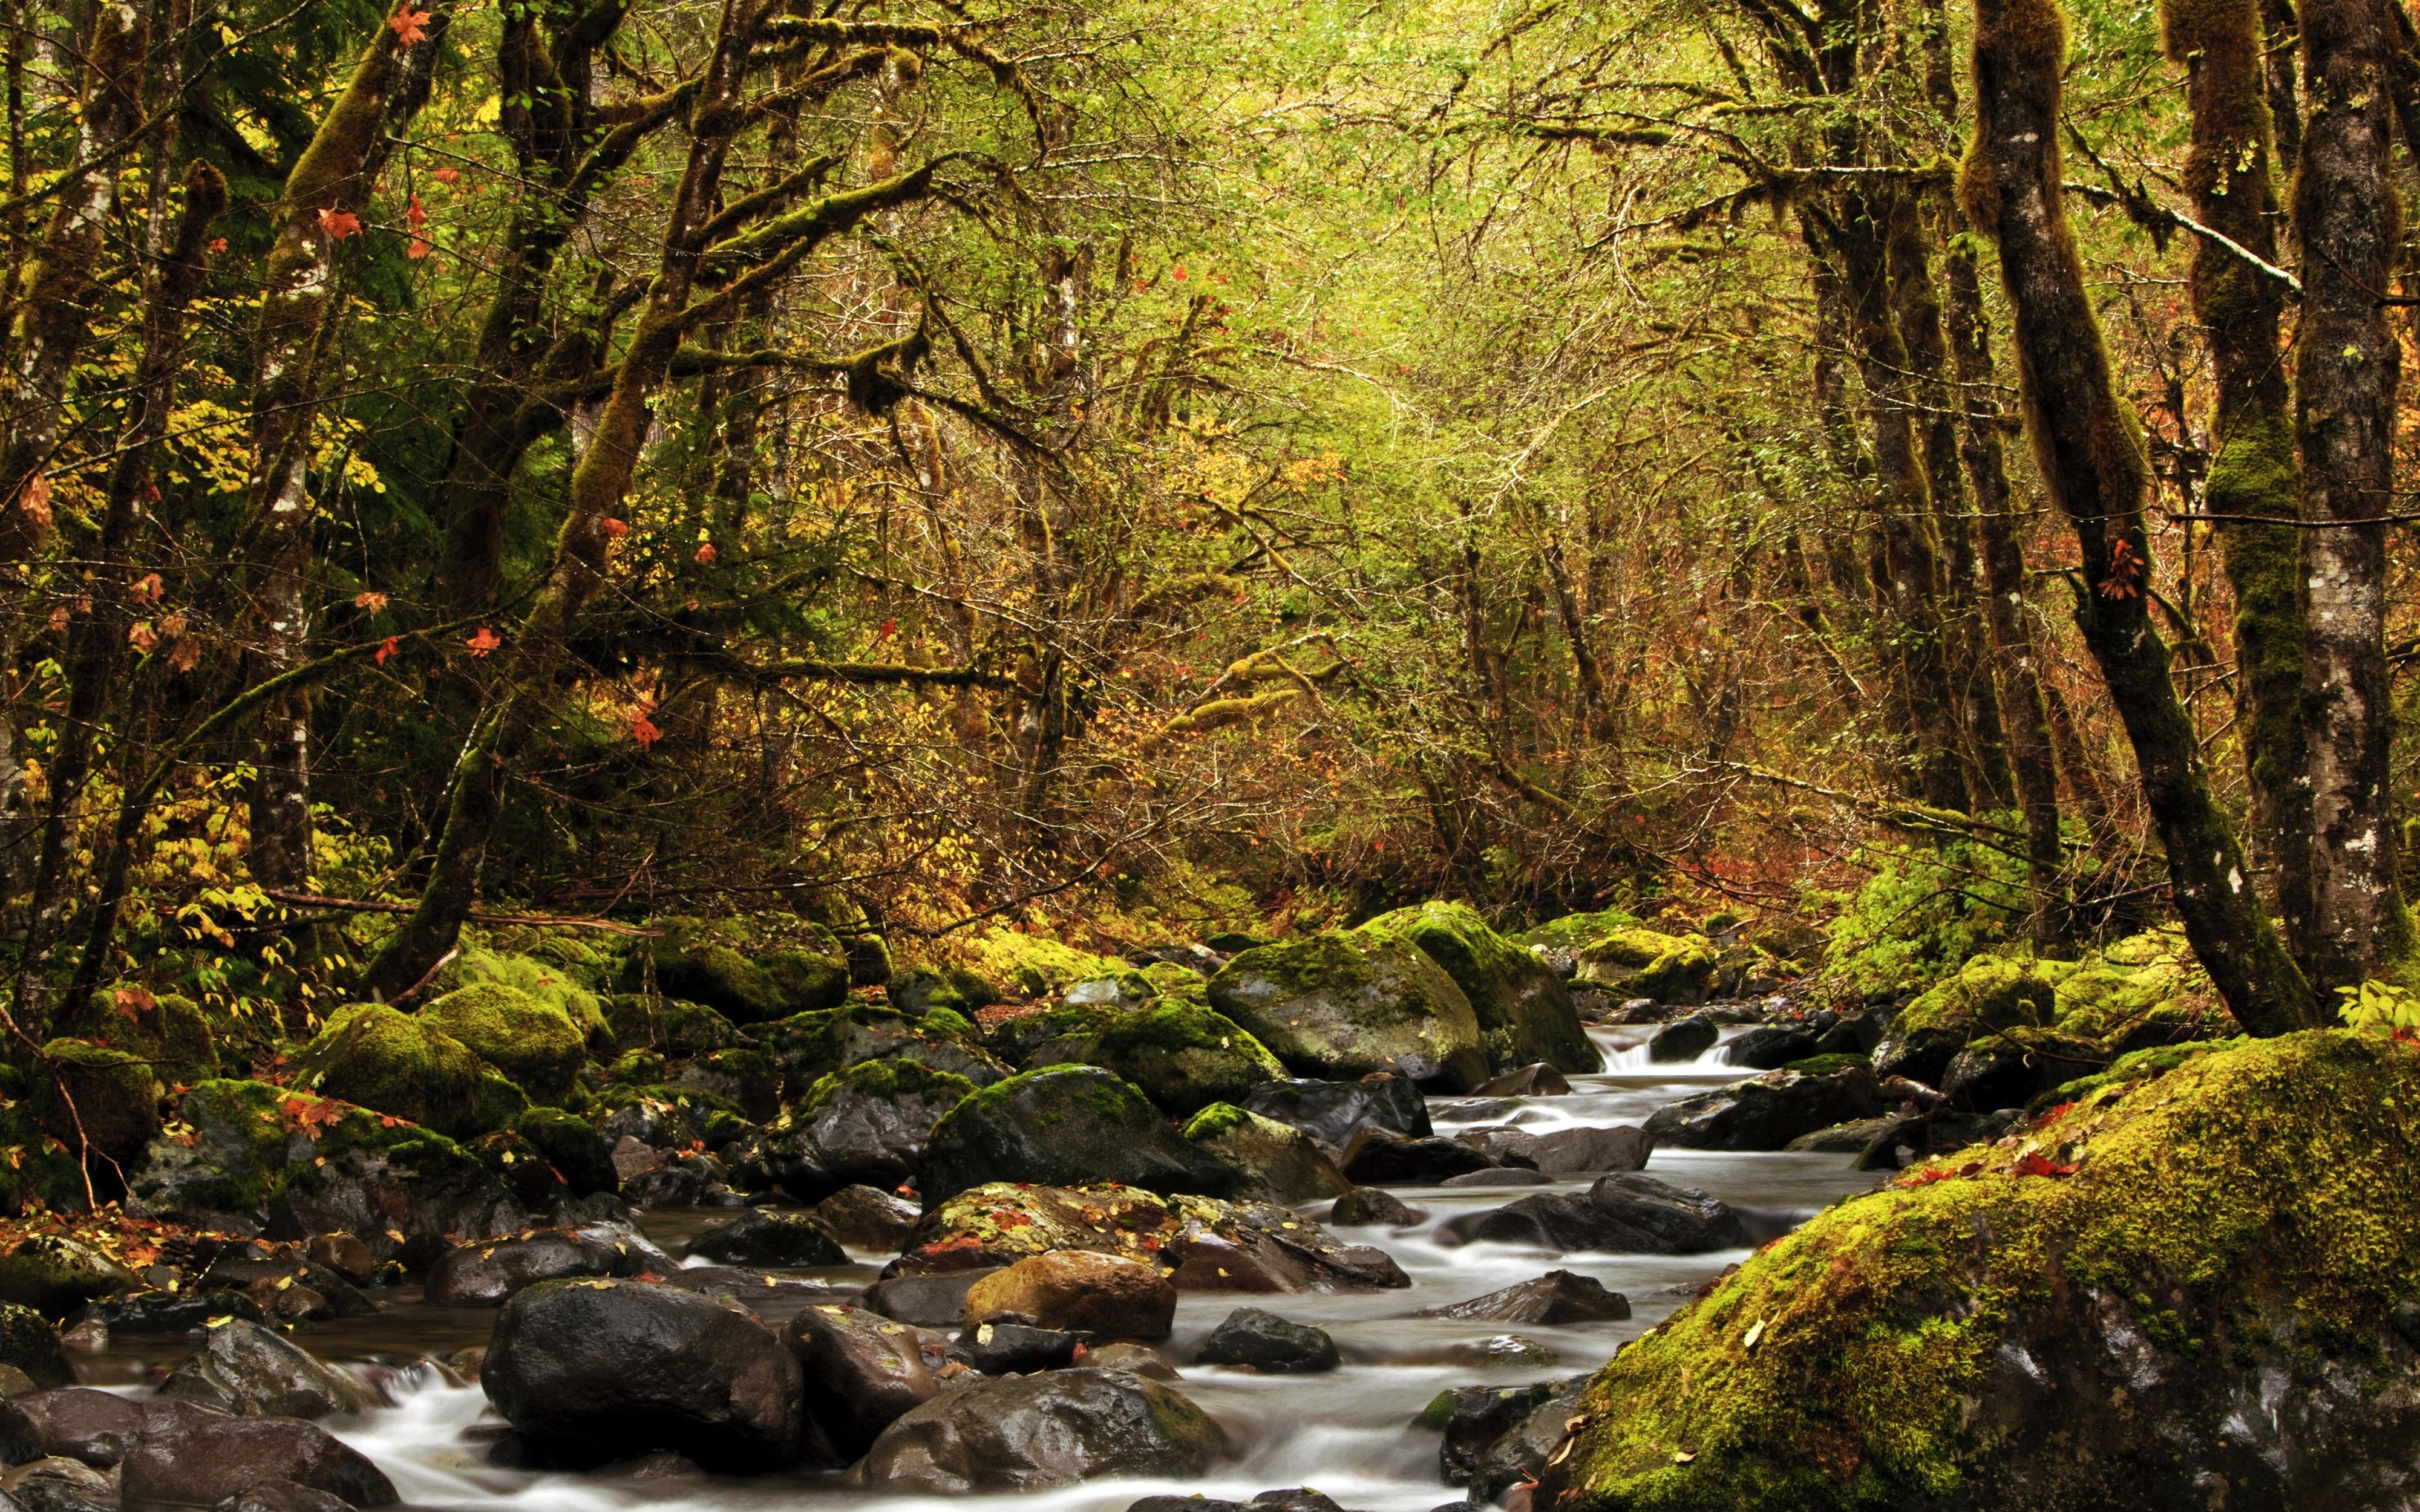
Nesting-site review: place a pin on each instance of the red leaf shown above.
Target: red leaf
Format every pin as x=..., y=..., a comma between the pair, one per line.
x=480, y=644
x=644, y=730
x=705, y=555
x=2037, y=1163
x=339, y=224
x=614, y=529
x=418, y=250
x=445, y=176
x=370, y=599
x=386, y=648
x=413, y=216
x=218, y=244
x=134, y=1000
x=411, y=26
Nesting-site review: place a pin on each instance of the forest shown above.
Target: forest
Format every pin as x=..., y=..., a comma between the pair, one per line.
x=743, y=742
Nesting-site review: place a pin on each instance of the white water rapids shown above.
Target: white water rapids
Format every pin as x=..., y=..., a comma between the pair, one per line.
x=1347, y=1433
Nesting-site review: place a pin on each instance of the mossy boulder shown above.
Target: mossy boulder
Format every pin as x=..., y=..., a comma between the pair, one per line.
x=1032, y=966
x=34, y=1170
x=169, y=1031
x=1062, y=1125
x=1282, y=1160
x=1990, y=994
x=408, y=1066
x=1574, y=933
x=866, y=1125
x=1645, y=962
x=28, y=1342
x=84, y=1092
x=806, y=980
x=298, y=1164
x=637, y=1022
x=531, y=1041
x=1172, y=979
x=2174, y=1286
x=2142, y=991
x=1183, y=1056
x=1525, y=1013
x=919, y=989
x=564, y=988
x=707, y=971
x=573, y=1147
x=1342, y=1006
x=54, y=1275
x=809, y=1046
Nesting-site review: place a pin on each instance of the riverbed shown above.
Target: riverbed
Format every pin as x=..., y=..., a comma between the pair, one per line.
x=1347, y=1433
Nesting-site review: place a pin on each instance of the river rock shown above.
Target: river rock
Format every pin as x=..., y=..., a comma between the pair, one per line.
x=1519, y=1453
x=1501, y=1176
x=935, y=1299
x=1627, y=1213
x=864, y=1218
x=1996, y=1072
x=58, y=1485
x=1370, y=1206
x=188, y=1455
x=55, y=1276
x=1185, y=1056
x=1853, y=1137
x=1031, y=1432
x=29, y=1343
x=282, y=1496
x=807, y=1047
x=1768, y=1112
x=1380, y=1157
x=1270, y=1344
x=592, y=1371
x=1472, y=1418
x=1632, y=963
x=1014, y=1348
x=1344, y=1005
x=1536, y=1080
x=1588, y=1150
x=1062, y=1125
x=864, y=1125
x=1525, y=1013
x=97, y=1427
x=1126, y=1354
x=1283, y=1162
x=1768, y=1048
x=249, y=1371
x=1105, y=1295
x=1334, y=1112
x=1557, y=1297
x=487, y=1273
x=762, y=1237
x=859, y=1371
x=1684, y=1039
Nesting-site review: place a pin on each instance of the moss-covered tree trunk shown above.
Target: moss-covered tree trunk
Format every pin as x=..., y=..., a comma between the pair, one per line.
x=2090, y=455
x=2026, y=714
x=2254, y=471
x=2346, y=226
x=321, y=210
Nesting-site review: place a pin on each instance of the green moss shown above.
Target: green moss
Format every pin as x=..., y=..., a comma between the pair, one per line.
x=86, y=1091
x=1996, y=992
x=806, y=980
x=2251, y=1194
x=572, y=1145
x=638, y=1068
x=947, y=1022
x=1346, y=1005
x=236, y=1145
x=712, y=973
x=1216, y=1120
x=1575, y=932
x=1183, y=1055
x=1645, y=962
x=173, y=1034
x=534, y=1042
x=1525, y=1014
x=397, y=1063
x=1826, y=1065
x=637, y=1022
x=1172, y=979
x=549, y=981
x=886, y=1081
x=1034, y=966
x=34, y=1172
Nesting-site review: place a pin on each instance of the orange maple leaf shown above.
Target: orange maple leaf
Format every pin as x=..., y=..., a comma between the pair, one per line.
x=339, y=224
x=644, y=730
x=134, y=1000
x=370, y=600
x=413, y=216
x=480, y=644
x=705, y=555
x=614, y=529
x=2037, y=1163
x=411, y=26
x=386, y=648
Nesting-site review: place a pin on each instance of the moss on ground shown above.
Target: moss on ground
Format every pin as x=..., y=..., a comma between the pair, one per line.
x=2254, y=1185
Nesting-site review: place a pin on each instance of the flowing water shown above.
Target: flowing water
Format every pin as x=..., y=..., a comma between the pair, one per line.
x=1347, y=1433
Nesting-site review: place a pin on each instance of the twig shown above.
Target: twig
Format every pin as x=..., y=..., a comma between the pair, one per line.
x=476, y=916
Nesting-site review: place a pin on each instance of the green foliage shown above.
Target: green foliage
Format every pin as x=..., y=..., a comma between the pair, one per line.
x=2381, y=1008
x=1922, y=913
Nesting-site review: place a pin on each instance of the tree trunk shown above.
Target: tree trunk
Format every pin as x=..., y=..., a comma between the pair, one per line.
x=2347, y=225
x=2090, y=456
x=2254, y=471
x=327, y=189
x=2026, y=714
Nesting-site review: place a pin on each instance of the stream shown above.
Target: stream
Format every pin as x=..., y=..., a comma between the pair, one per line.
x=1346, y=1432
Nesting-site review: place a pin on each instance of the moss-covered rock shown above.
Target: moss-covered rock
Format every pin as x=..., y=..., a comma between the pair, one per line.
x=86, y=1092
x=866, y=1125
x=565, y=988
x=1989, y=994
x=1172, y=979
x=1645, y=962
x=55, y=1276
x=531, y=1041
x=1032, y=966
x=637, y=1022
x=28, y=1342
x=1062, y=1125
x=408, y=1066
x=35, y=1171
x=919, y=989
x=303, y=1164
x=573, y=1147
x=1281, y=1159
x=809, y=1046
x=1574, y=933
x=1525, y=1013
x=1184, y=1057
x=1343, y=1006
x=707, y=971
x=2142, y=991
x=169, y=1031
x=2174, y=1286
x=806, y=980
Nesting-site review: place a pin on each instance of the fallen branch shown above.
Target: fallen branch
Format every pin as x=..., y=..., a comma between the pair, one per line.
x=476, y=916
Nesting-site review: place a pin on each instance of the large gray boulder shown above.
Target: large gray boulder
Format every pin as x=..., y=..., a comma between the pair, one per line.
x=1060, y=1126
x=1342, y=1006
x=1027, y=1433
